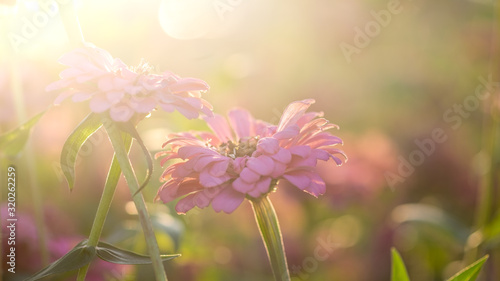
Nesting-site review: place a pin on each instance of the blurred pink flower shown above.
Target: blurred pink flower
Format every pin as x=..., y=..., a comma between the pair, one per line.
x=111, y=85
x=225, y=167
x=360, y=181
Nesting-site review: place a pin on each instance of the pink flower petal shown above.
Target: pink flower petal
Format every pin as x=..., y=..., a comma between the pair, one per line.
x=317, y=186
x=70, y=73
x=227, y=200
x=173, y=189
x=99, y=104
x=218, y=169
x=300, y=179
x=242, y=123
x=207, y=180
x=188, y=85
x=249, y=176
x=261, y=188
x=279, y=169
x=289, y=132
x=321, y=154
x=309, y=161
x=219, y=126
x=121, y=113
x=239, y=164
x=242, y=186
x=64, y=95
x=262, y=165
x=59, y=84
x=105, y=83
x=120, y=83
x=187, y=112
x=185, y=204
x=283, y=156
x=306, y=118
x=323, y=139
x=167, y=107
x=181, y=170
x=143, y=105
x=133, y=89
x=193, y=102
x=81, y=96
x=302, y=150
x=74, y=58
x=80, y=79
x=204, y=161
x=188, y=151
x=293, y=113
x=115, y=96
x=268, y=145
x=203, y=198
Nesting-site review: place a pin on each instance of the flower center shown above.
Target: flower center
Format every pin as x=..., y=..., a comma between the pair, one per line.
x=244, y=147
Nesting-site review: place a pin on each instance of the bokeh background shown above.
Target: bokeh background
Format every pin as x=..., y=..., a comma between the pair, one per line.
x=388, y=72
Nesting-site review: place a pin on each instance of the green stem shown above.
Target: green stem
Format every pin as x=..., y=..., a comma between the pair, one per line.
x=71, y=23
x=271, y=235
x=128, y=172
x=104, y=205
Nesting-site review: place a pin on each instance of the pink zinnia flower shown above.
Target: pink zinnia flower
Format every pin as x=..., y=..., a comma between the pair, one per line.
x=223, y=168
x=111, y=85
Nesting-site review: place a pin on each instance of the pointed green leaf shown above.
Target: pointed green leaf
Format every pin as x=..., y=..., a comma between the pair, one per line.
x=130, y=129
x=74, y=143
x=113, y=254
x=12, y=142
x=79, y=256
x=398, y=272
x=471, y=272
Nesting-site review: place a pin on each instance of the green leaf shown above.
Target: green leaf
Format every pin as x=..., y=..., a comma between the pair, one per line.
x=74, y=143
x=12, y=143
x=471, y=272
x=398, y=272
x=79, y=256
x=130, y=129
x=113, y=254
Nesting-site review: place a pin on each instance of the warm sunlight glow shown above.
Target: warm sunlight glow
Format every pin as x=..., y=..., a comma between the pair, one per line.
x=187, y=19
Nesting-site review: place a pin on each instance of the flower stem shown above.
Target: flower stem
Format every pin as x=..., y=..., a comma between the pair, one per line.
x=126, y=167
x=271, y=235
x=71, y=23
x=104, y=205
